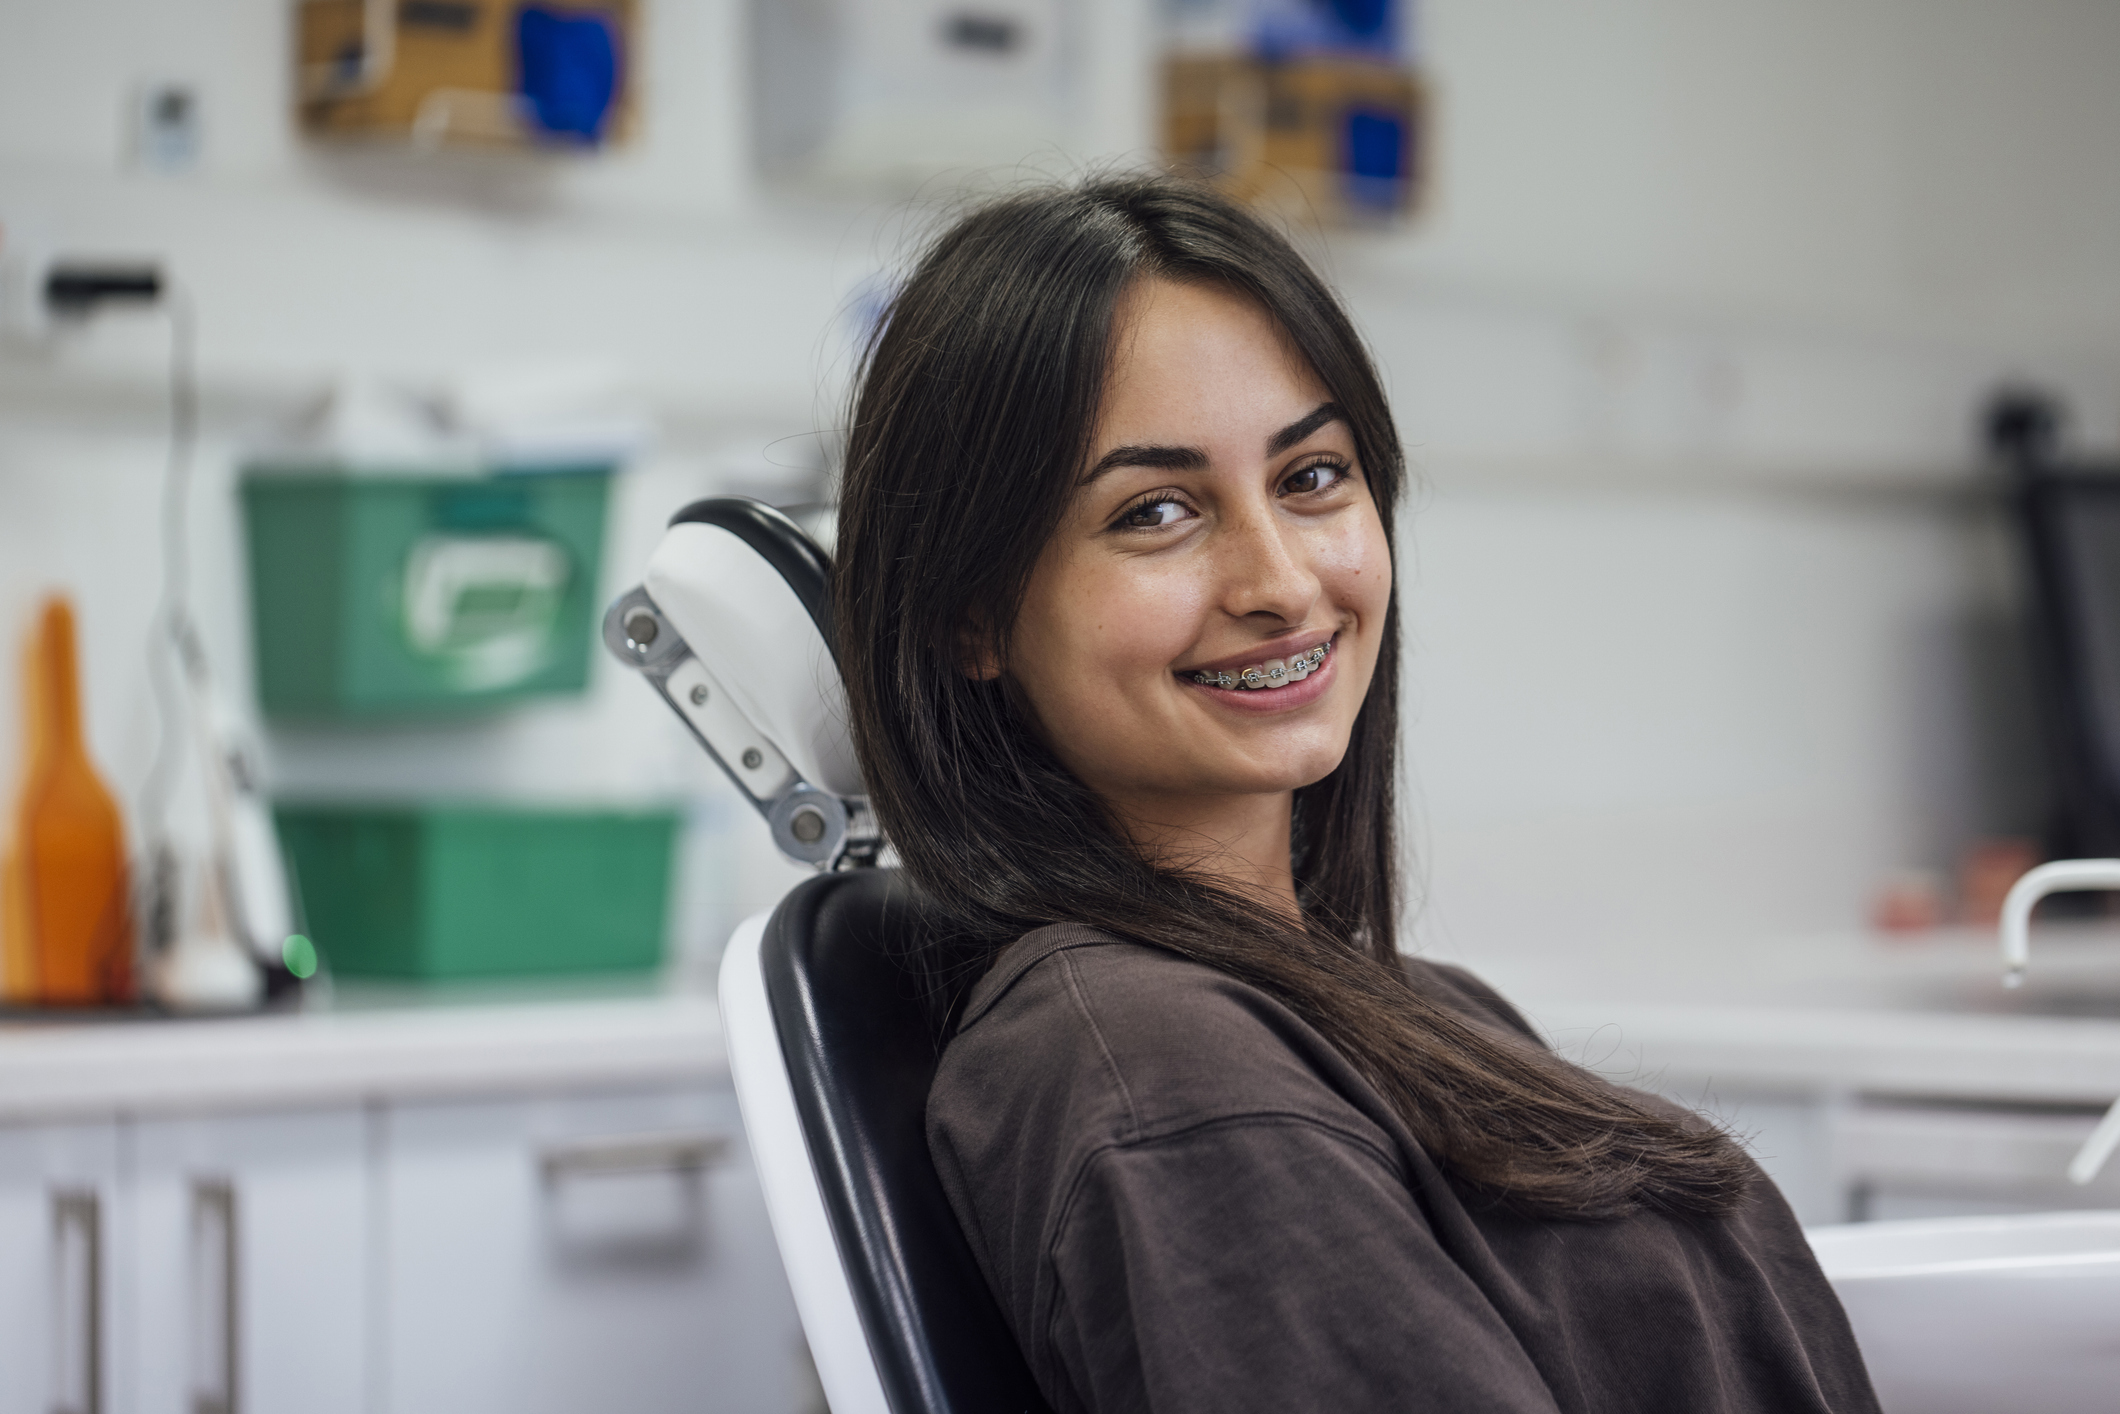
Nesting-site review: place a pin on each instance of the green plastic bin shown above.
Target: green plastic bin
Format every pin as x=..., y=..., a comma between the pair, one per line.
x=436, y=892
x=420, y=596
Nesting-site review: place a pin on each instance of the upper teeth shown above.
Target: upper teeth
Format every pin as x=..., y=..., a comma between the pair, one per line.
x=1274, y=672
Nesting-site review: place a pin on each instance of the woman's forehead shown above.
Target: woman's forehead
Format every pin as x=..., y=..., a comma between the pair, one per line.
x=1194, y=359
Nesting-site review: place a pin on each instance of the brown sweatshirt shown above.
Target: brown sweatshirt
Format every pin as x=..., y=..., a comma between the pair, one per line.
x=1185, y=1199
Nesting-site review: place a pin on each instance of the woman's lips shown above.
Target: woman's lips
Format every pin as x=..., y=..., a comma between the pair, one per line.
x=1273, y=699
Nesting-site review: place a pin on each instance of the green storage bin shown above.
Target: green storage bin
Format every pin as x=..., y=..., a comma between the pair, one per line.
x=420, y=596
x=467, y=891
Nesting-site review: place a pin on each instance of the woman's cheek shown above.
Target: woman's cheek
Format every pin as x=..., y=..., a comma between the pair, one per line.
x=1154, y=616
x=1353, y=565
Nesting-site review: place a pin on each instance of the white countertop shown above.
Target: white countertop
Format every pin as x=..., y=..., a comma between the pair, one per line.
x=1926, y=1016
x=1820, y=1050
x=381, y=1045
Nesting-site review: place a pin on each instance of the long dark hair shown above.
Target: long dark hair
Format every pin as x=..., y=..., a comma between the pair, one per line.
x=970, y=427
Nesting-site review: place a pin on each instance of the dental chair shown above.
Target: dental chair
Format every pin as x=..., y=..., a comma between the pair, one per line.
x=832, y=1053
x=830, y=1045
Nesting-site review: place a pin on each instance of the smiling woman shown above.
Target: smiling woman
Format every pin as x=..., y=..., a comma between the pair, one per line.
x=1224, y=529
x=1116, y=615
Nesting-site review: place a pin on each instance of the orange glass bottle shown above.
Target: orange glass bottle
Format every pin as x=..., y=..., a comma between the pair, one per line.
x=68, y=904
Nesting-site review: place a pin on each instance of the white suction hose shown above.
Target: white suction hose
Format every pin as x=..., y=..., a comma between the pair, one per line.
x=2062, y=876
x=2096, y=1149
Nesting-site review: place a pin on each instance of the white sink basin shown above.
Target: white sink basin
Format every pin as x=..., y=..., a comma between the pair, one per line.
x=1984, y=1315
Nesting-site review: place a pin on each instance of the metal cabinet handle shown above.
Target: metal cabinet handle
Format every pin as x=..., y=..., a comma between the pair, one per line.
x=77, y=1301
x=596, y=1219
x=215, y=1318
x=659, y=1153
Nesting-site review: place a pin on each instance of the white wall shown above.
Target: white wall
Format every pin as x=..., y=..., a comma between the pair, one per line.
x=1651, y=718
x=1686, y=350
x=1939, y=161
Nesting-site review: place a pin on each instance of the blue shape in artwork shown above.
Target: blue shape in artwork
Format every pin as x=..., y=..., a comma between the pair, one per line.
x=1375, y=150
x=1362, y=18
x=568, y=67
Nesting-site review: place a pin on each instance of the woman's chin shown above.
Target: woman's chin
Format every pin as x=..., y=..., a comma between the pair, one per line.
x=1280, y=772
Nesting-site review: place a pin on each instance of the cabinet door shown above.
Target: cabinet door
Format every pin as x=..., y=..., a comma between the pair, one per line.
x=1965, y=1158
x=593, y=1252
x=250, y=1244
x=60, y=1245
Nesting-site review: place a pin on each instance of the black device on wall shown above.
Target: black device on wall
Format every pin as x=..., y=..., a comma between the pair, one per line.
x=2069, y=514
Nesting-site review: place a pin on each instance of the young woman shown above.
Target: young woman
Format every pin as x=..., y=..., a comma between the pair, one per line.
x=1114, y=592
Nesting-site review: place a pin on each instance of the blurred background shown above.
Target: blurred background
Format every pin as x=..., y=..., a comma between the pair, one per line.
x=353, y=354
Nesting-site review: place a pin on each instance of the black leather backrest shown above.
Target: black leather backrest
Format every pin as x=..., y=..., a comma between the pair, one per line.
x=861, y=1055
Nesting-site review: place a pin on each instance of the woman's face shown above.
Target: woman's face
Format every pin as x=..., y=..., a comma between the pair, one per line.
x=1222, y=523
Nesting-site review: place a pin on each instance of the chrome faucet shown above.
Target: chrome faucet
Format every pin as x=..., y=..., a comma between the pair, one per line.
x=2062, y=876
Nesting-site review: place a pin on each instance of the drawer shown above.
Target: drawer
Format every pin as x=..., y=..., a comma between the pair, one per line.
x=550, y=1255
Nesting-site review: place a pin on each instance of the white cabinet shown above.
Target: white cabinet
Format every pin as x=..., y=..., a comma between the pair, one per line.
x=610, y=1251
x=249, y=1259
x=1915, y=1158
x=184, y=1266
x=61, y=1235
x=538, y=1207
x=1839, y=1157
x=529, y=1254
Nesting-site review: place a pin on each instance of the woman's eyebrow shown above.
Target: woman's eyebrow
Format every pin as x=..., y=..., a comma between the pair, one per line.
x=1193, y=459
x=1302, y=427
x=1161, y=458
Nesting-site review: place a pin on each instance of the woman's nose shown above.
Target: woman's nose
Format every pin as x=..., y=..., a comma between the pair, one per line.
x=1264, y=569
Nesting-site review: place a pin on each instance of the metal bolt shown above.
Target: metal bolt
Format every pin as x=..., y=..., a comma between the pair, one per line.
x=642, y=628
x=753, y=758
x=699, y=694
x=807, y=825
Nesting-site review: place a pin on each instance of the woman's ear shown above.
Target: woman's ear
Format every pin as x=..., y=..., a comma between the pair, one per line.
x=978, y=651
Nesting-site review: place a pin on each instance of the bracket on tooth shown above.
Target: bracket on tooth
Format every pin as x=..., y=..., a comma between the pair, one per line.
x=1254, y=678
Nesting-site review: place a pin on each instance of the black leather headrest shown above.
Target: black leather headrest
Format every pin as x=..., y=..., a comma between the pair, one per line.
x=861, y=1054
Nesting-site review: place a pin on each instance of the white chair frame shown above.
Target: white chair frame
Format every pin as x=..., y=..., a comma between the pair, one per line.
x=824, y=1298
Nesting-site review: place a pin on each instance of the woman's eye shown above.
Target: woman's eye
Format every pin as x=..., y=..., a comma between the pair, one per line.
x=1152, y=515
x=1316, y=477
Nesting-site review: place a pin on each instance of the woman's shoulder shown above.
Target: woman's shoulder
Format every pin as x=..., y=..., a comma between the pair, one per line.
x=1453, y=987
x=1126, y=1042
